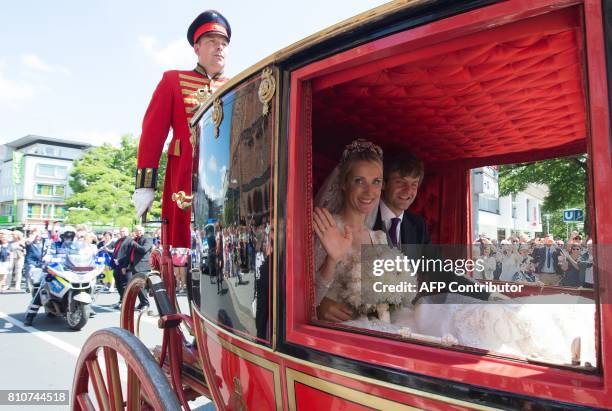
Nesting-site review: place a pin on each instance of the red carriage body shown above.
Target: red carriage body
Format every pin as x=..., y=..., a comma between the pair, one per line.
x=461, y=85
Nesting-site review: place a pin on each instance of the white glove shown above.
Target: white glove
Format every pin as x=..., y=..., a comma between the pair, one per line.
x=143, y=200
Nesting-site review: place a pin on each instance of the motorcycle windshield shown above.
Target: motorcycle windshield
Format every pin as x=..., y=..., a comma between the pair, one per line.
x=81, y=256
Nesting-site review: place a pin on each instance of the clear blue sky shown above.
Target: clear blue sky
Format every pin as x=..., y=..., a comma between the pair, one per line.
x=85, y=70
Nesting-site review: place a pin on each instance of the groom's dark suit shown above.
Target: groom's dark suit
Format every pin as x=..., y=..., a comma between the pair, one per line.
x=413, y=232
x=413, y=229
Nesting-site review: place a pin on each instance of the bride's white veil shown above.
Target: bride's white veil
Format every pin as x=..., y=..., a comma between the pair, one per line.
x=330, y=194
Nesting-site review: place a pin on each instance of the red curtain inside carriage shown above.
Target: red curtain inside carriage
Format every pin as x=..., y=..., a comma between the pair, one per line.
x=506, y=94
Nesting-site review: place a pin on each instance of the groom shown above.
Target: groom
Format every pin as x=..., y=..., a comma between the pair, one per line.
x=403, y=174
x=402, y=177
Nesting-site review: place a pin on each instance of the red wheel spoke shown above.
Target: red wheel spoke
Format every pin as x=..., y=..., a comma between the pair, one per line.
x=133, y=394
x=97, y=380
x=113, y=378
x=143, y=375
x=84, y=403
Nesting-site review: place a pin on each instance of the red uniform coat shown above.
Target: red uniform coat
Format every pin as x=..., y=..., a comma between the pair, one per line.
x=174, y=102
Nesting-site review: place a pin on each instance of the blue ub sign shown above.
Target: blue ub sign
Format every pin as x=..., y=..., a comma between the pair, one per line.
x=573, y=214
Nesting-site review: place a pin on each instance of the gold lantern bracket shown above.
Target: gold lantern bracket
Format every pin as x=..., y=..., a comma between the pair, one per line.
x=267, y=88
x=217, y=115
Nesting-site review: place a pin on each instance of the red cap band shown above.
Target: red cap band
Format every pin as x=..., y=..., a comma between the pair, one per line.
x=205, y=28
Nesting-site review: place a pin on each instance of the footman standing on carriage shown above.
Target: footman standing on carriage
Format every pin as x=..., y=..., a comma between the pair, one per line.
x=176, y=99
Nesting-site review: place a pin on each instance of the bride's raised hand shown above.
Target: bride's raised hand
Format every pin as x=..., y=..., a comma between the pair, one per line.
x=335, y=242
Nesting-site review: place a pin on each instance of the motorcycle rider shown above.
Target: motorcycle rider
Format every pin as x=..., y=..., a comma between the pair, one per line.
x=59, y=247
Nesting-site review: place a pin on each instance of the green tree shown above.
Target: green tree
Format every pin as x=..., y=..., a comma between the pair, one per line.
x=566, y=179
x=102, y=182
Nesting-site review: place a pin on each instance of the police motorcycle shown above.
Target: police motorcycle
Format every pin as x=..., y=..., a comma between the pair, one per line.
x=66, y=285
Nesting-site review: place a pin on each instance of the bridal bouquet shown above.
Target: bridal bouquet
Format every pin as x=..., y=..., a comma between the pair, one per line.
x=363, y=290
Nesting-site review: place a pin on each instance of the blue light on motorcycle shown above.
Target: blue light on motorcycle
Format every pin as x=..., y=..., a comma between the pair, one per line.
x=49, y=277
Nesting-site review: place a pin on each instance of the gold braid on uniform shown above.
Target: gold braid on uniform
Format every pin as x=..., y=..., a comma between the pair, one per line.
x=200, y=69
x=146, y=178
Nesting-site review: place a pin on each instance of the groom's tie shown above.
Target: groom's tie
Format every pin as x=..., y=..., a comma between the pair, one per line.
x=393, y=230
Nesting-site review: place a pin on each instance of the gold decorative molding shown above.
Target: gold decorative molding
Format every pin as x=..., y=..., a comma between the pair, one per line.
x=267, y=88
x=236, y=399
x=182, y=200
x=217, y=115
x=194, y=136
x=368, y=380
x=271, y=366
x=338, y=391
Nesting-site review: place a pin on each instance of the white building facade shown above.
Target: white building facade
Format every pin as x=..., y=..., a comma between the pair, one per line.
x=34, y=174
x=501, y=217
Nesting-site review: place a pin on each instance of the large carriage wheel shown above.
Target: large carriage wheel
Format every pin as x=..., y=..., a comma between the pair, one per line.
x=144, y=384
x=172, y=341
x=128, y=317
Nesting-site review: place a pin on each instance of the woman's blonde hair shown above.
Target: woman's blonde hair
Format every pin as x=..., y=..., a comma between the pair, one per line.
x=358, y=150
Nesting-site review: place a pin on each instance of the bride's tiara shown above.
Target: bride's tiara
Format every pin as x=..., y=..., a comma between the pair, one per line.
x=359, y=146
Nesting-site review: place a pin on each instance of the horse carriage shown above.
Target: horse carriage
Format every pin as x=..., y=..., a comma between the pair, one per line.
x=462, y=85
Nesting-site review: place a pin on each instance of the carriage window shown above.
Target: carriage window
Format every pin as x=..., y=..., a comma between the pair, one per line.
x=432, y=229
x=496, y=295
x=232, y=207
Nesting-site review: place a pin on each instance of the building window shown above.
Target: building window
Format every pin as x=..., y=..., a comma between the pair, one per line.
x=490, y=205
x=44, y=189
x=34, y=210
x=52, y=151
x=50, y=190
x=47, y=210
x=59, y=212
x=53, y=171
x=528, y=209
x=6, y=209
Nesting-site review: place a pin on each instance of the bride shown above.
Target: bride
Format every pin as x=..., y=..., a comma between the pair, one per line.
x=555, y=328
x=347, y=198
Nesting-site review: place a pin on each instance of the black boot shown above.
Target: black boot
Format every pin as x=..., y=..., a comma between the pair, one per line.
x=29, y=319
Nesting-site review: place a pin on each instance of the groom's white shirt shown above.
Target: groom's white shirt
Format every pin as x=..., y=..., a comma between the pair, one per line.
x=386, y=215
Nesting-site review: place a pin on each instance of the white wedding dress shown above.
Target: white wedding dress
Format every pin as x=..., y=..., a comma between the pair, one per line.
x=541, y=328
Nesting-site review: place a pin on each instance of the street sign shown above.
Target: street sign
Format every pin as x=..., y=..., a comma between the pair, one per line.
x=573, y=214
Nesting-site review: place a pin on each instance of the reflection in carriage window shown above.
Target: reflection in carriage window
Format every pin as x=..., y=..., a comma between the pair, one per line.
x=233, y=216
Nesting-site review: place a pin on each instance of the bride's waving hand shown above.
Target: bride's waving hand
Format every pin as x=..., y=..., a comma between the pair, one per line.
x=335, y=242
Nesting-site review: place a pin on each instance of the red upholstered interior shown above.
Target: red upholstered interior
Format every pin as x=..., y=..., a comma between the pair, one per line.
x=490, y=99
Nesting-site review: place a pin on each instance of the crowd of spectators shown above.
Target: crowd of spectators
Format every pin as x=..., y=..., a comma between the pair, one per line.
x=545, y=261
x=20, y=253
